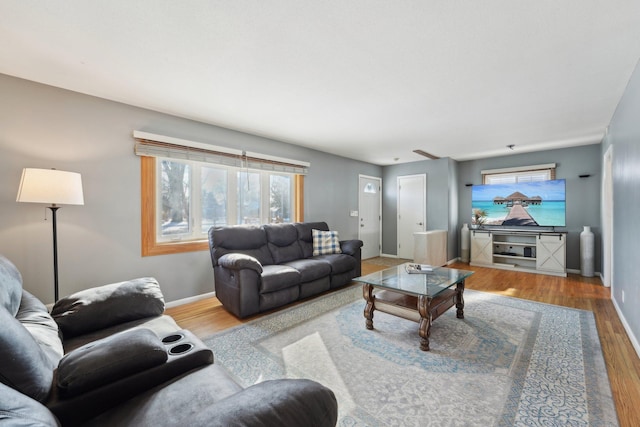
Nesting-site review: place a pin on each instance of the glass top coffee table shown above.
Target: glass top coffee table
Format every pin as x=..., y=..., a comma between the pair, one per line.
x=421, y=296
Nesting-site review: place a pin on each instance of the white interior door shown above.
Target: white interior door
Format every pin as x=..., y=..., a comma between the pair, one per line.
x=370, y=217
x=412, y=207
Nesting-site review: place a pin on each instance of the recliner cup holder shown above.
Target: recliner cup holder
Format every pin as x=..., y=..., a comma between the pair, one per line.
x=170, y=339
x=181, y=348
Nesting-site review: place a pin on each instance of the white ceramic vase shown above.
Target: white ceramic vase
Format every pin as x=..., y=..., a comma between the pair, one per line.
x=586, y=252
x=464, y=243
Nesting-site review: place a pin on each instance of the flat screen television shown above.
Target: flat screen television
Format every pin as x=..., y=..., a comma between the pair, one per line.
x=541, y=203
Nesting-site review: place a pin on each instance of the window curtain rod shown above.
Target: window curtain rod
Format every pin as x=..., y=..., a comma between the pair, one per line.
x=174, y=148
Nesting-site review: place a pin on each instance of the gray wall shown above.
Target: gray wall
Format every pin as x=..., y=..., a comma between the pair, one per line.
x=449, y=199
x=583, y=194
x=99, y=242
x=624, y=137
x=454, y=211
x=439, y=176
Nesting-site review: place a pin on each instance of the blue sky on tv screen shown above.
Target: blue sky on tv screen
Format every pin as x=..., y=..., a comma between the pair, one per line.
x=547, y=190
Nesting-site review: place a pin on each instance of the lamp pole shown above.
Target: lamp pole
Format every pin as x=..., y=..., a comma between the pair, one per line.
x=54, y=209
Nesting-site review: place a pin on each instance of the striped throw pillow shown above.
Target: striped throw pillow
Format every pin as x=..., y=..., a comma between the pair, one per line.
x=325, y=242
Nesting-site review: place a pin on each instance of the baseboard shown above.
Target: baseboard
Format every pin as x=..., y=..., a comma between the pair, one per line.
x=190, y=299
x=632, y=337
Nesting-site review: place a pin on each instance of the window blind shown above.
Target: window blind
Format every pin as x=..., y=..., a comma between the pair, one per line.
x=519, y=174
x=153, y=145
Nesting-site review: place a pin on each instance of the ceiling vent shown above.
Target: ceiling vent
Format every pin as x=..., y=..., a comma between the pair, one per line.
x=425, y=154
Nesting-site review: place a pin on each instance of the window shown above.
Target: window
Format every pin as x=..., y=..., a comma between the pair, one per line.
x=192, y=197
x=183, y=198
x=519, y=174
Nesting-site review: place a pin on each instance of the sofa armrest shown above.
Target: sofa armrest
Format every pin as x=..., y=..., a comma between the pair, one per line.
x=108, y=360
x=237, y=261
x=103, y=306
x=116, y=373
x=350, y=247
x=285, y=402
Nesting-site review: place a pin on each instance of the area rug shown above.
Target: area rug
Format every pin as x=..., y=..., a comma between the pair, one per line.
x=509, y=362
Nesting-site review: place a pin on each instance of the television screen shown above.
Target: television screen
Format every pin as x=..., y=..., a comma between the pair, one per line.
x=541, y=203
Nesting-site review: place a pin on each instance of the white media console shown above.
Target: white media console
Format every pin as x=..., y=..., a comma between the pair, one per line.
x=534, y=252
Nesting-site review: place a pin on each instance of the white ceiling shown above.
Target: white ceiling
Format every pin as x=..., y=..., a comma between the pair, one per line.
x=366, y=79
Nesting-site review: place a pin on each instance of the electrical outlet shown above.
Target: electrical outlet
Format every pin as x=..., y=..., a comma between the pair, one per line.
x=623, y=297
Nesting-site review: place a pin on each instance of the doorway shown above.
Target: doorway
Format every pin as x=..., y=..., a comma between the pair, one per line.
x=412, y=206
x=370, y=218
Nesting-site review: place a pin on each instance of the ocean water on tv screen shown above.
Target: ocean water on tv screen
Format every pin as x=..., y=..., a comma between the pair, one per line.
x=549, y=213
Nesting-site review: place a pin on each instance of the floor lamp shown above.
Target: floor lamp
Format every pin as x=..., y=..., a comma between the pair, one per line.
x=55, y=187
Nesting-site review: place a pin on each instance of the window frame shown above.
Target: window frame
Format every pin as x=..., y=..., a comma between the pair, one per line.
x=522, y=171
x=150, y=246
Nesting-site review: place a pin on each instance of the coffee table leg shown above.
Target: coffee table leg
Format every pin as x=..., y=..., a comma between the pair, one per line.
x=460, y=300
x=424, y=308
x=367, y=293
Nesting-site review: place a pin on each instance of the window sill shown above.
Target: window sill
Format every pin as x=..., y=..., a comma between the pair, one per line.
x=153, y=248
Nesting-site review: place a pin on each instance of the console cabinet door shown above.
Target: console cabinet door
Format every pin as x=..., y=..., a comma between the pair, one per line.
x=551, y=253
x=481, y=248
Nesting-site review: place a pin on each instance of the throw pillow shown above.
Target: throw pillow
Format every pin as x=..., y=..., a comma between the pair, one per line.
x=325, y=242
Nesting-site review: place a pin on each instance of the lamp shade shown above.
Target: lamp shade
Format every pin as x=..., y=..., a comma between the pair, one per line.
x=50, y=186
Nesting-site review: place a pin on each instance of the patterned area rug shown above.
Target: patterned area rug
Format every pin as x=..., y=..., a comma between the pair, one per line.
x=508, y=362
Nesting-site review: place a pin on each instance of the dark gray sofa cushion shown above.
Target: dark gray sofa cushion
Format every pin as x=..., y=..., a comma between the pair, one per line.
x=107, y=305
x=216, y=404
x=24, y=366
x=275, y=403
x=310, y=269
x=283, y=242
x=18, y=410
x=10, y=286
x=340, y=263
x=108, y=360
x=305, y=235
x=34, y=316
x=239, y=239
x=277, y=277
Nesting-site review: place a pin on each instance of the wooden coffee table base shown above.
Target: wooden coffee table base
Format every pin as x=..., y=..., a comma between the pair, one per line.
x=422, y=309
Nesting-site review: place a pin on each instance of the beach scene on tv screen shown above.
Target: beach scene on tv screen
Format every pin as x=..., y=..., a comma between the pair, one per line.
x=522, y=204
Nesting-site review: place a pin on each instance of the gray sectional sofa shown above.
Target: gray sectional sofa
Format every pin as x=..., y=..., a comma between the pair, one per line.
x=108, y=356
x=259, y=268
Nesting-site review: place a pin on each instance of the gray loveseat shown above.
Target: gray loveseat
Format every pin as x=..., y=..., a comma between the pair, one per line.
x=108, y=356
x=259, y=268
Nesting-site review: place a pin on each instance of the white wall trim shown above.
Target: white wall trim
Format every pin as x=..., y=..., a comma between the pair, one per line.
x=627, y=328
x=189, y=299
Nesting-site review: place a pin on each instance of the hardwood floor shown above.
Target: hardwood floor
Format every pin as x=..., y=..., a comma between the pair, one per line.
x=207, y=316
